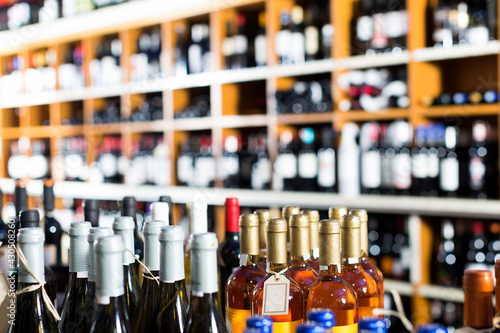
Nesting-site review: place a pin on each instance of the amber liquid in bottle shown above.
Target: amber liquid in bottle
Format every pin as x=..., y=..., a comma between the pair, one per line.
x=368, y=265
x=331, y=291
x=263, y=215
x=352, y=271
x=287, y=213
x=478, y=295
x=313, y=237
x=300, y=268
x=277, y=262
x=241, y=283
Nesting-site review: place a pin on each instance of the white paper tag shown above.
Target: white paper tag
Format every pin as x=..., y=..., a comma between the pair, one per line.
x=307, y=257
x=276, y=296
x=195, y=293
x=243, y=259
x=104, y=300
x=82, y=275
x=352, y=261
x=315, y=253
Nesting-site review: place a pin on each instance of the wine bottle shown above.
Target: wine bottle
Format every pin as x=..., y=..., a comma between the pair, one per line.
x=326, y=162
x=124, y=226
x=91, y=212
x=74, y=300
x=197, y=211
x=419, y=156
x=287, y=213
x=128, y=208
x=307, y=160
x=286, y=162
x=283, y=38
x=32, y=313
x=446, y=256
x=168, y=200
x=264, y=324
x=324, y=317
x=90, y=300
x=111, y=312
x=431, y=328
x=434, y=139
x=371, y=173
x=204, y=310
x=229, y=250
x=401, y=162
x=239, y=286
x=147, y=309
x=229, y=165
x=53, y=230
x=310, y=327
x=260, y=177
x=160, y=211
x=227, y=47
x=300, y=268
x=31, y=219
x=352, y=271
x=298, y=39
x=372, y=325
x=240, y=42
x=173, y=305
x=313, y=237
x=348, y=164
x=331, y=291
x=264, y=215
x=260, y=43
x=284, y=305
x=379, y=40
x=478, y=295
x=365, y=261
x=336, y=213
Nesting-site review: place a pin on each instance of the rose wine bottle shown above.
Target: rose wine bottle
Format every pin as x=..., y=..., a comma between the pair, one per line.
x=264, y=215
x=240, y=285
x=313, y=237
x=368, y=265
x=331, y=291
x=300, y=268
x=352, y=271
x=285, y=307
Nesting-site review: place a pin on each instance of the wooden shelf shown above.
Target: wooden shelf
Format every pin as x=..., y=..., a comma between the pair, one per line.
x=386, y=114
x=33, y=132
x=455, y=52
x=103, y=129
x=461, y=111
x=243, y=121
x=305, y=118
x=145, y=127
x=193, y=124
x=375, y=60
x=71, y=130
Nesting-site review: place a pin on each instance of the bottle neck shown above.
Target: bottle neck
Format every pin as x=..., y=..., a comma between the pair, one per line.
x=350, y=263
x=276, y=267
x=300, y=260
x=249, y=259
x=204, y=303
x=331, y=270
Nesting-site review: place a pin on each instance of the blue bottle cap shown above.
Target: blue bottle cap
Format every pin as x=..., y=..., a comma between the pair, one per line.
x=310, y=327
x=252, y=330
x=323, y=316
x=263, y=323
x=372, y=324
x=431, y=328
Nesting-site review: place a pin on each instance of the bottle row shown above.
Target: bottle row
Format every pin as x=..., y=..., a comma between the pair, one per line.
x=321, y=264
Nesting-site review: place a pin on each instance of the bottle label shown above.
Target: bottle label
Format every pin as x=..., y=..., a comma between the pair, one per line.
x=379, y=38
x=401, y=166
x=227, y=47
x=345, y=329
x=326, y=168
x=276, y=292
x=449, y=176
x=312, y=40
x=477, y=170
x=298, y=47
x=230, y=166
x=236, y=319
x=308, y=165
x=240, y=44
x=393, y=22
x=185, y=168
x=287, y=165
x=287, y=327
x=432, y=166
x=419, y=166
x=204, y=170
x=478, y=35
x=364, y=28
x=108, y=164
x=260, y=50
x=261, y=173
x=283, y=41
x=371, y=174
x=195, y=59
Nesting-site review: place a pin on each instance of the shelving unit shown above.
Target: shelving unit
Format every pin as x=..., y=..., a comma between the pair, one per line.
x=425, y=74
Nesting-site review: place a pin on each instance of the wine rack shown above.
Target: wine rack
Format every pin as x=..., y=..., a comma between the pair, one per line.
x=44, y=115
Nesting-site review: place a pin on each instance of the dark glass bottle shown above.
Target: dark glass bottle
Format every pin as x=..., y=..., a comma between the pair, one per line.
x=204, y=310
x=128, y=208
x=90, y=300
x=286, y=161
x=111, y=312
x=229, y=169
x=229, y=250
x=326, y=162
x=168, y=200
x=53, y=230
x=124, y=226
x=32, y=314
x=91, y=212
x=3, y=226
x=449, y=173
x=173, y=304
x=147, y=309
x=73, y=307
x=419, y=156
x=307, y=161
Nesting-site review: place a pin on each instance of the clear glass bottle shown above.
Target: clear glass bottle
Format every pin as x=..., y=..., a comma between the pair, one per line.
x=313, y=237
x=264, y=215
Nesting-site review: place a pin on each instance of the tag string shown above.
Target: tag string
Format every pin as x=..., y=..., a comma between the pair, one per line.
x=276, y=275
x=399, y=313
x=40, y=284
x=145, y=267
